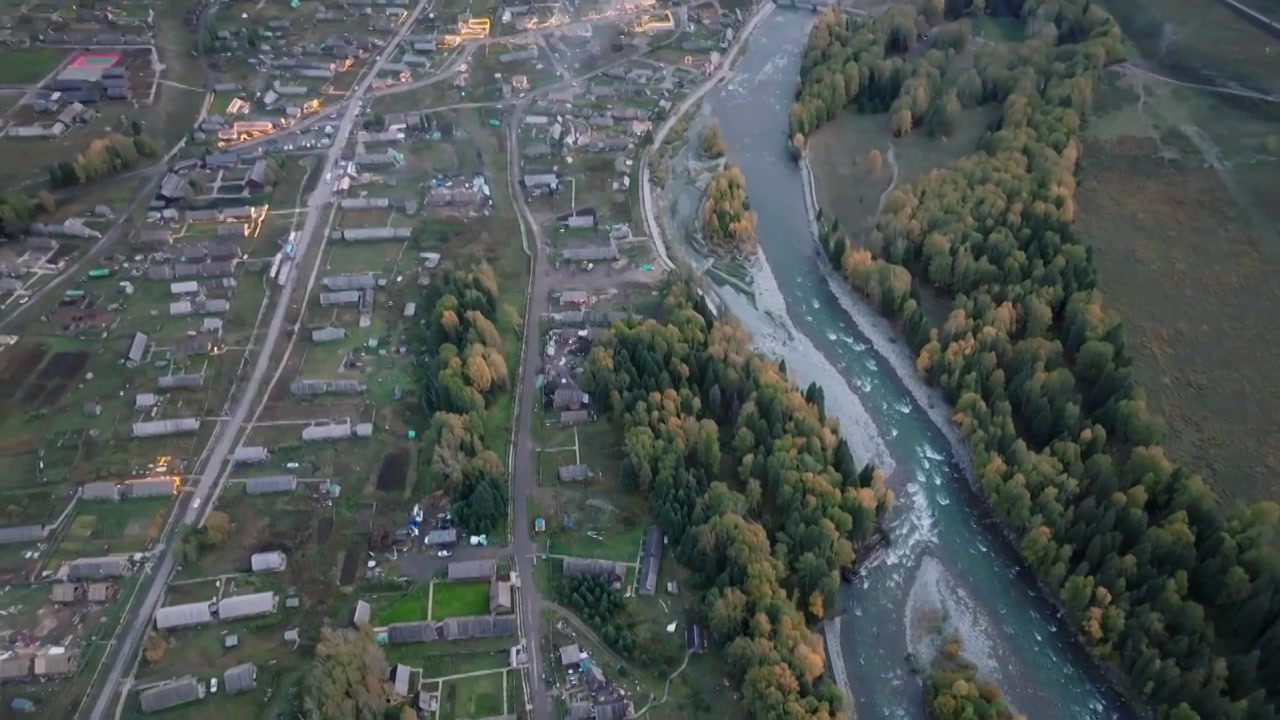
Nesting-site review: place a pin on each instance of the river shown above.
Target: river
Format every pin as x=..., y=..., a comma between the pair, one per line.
x=947, y=572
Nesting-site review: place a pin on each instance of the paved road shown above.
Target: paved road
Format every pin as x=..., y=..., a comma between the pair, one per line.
x=190, y=507
x=522, y=481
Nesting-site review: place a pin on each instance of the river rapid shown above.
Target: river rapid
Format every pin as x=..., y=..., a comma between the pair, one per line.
x=947, y=571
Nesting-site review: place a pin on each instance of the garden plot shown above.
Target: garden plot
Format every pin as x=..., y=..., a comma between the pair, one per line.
x=105, y=528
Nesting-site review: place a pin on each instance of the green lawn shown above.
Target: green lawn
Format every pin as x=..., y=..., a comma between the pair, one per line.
x=473, y=697
x=29, y=65
x=116, y=527
x=409, y=607
x=460, y=600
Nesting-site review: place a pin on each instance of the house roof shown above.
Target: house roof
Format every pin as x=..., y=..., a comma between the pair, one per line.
x=100, y=592
x=238, y=606
x=21, y=533
x=616, y=710
x=64, y=592
x=411, y=632
x=473, y=569
x=90, y=568
x=240, y=678
x=594, y=567
x=61, y=663
x=651, y=557
x=170, y=694
x=16, y=666
x=478, y=626
x=185, y=615
x=570, y=655
x=500, y=595
x=270, y=484
x=442, y=537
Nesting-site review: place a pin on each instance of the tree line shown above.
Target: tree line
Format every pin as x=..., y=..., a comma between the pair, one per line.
x=728, y=223
x=104, y=156
x=1160, y=580
x=954, y=691
x=752, y=484
x=17, y=212
x=461, y=372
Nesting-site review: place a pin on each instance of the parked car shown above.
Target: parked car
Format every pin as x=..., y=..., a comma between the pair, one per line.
x=444, y=554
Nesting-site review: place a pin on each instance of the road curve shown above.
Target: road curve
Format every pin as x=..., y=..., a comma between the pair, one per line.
x=189, y=508
x=646, y=190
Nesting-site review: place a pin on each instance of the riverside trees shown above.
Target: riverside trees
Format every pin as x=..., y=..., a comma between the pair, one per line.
x=761, y=498
x=728, y=223
x=1180, y=594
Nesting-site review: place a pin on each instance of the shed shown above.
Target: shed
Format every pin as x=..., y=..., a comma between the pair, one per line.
x=593, y=567
x=170, y=382
x=274, y=561
x=15, y=667
x=465, y=570
x=49, y=664
x=144, y=401
x=241, y=678
x=101, y=592
x=183, y=616
x=170, y=694
x=575, y=417
x=613, y=710
x=500, y=595
x=158, y=428
x=442, y=537
x=65, y=592
x=574, y=473
x=328, y=334
x=399, y=677
x=411, y=632
x=360, y=615
x=137, y=350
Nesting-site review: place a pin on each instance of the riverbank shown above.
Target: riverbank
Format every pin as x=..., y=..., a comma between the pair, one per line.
x=885, y=339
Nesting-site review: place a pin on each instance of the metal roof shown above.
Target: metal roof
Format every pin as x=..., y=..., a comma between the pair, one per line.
x=158, y=487
x=342, y=297
x=479, y=626
x=238, y=606
x=411, y=632
x=169, y=382
x=170, y=694
x=350, y=281
x=650, y=560
x=21, y=533
x=241, y=678
x=100, y=491
x=251, y=454
x=156, y=428
x=442, y=537
x=473, y=569
x=273, y=561
x=94, y=568
x=360, y=615
x=328, y=334
x=312, y=386
x=181, y=616
x=574, y=473
x=331, y=431
x=593, y=567
x=270, y=484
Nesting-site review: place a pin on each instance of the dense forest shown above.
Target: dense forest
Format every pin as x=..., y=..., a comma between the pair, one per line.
x=460, y=372
x=953, y=690
x=1161, y=580
x=756, y=490
x=728, y=223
